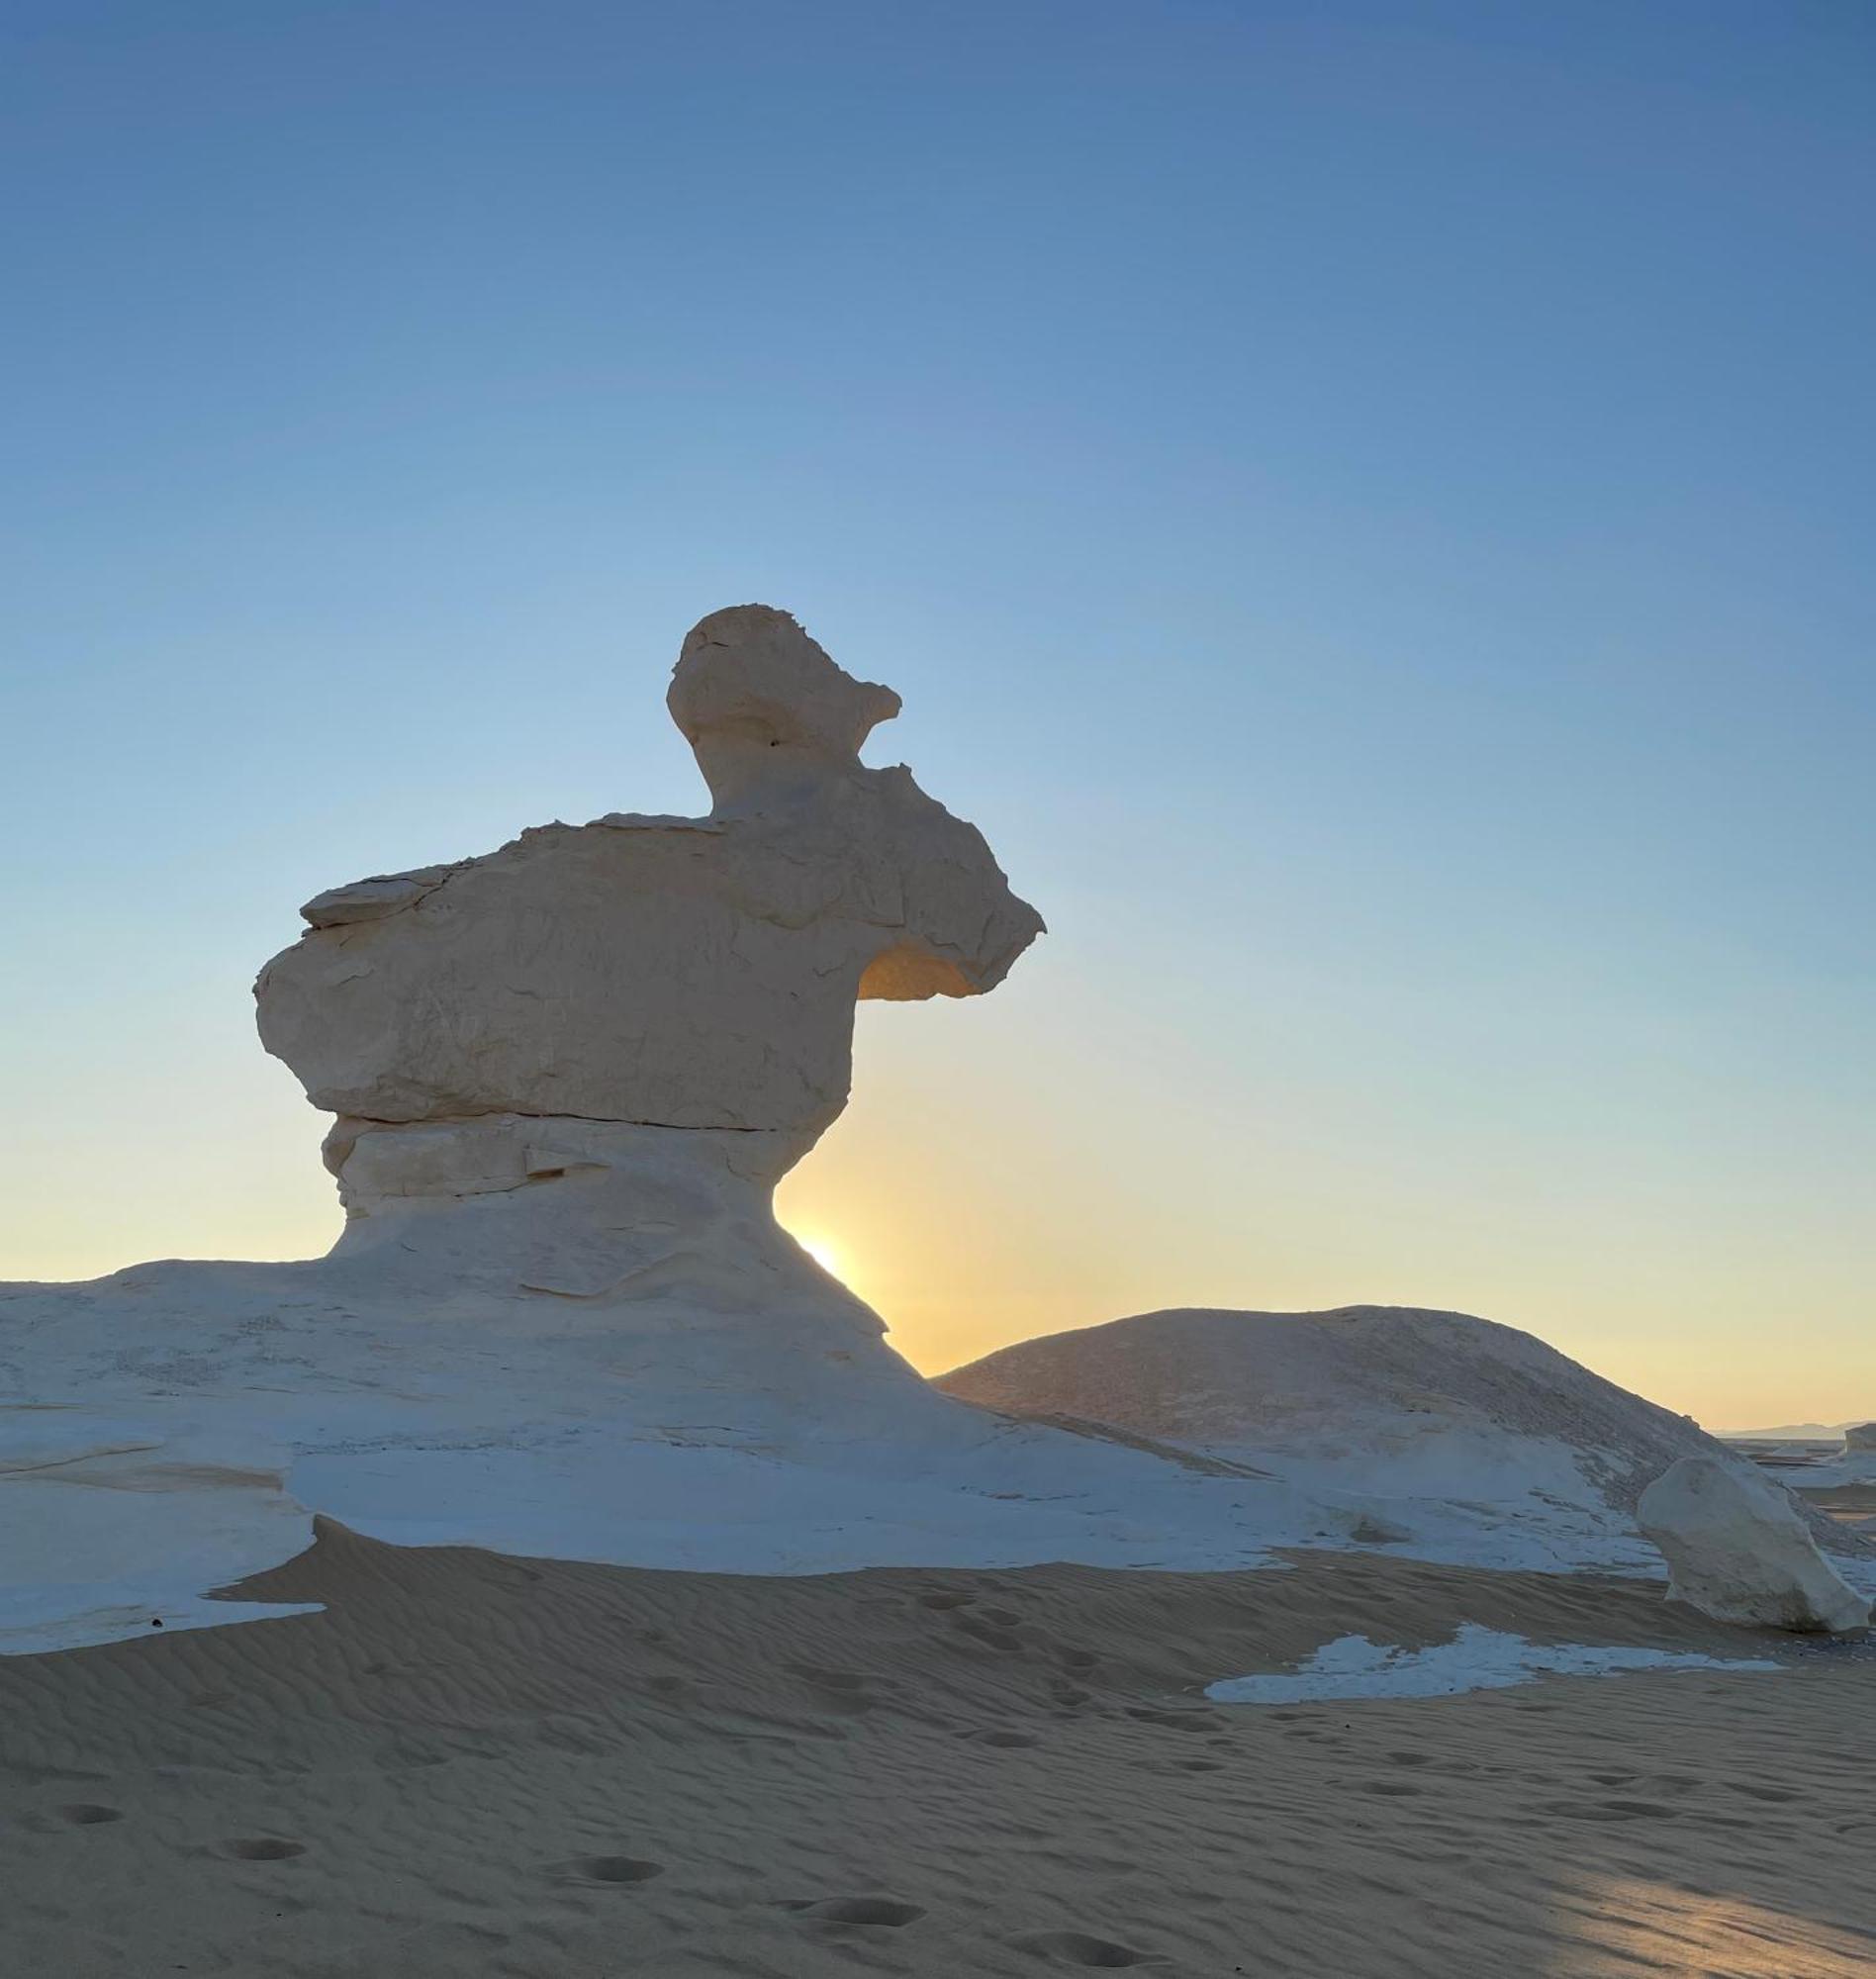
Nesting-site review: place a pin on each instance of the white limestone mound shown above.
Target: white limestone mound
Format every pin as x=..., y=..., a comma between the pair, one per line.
x=1860, y=1437
x=1420, y=1414
x=1738, y=1548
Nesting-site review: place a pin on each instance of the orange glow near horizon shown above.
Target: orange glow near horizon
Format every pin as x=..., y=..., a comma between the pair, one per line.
x=992, y=1181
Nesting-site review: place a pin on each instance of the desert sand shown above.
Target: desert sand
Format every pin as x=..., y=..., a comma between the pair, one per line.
x=472, y=1764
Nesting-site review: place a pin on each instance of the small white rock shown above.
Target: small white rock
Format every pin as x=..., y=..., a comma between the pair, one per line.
x=1739, y=1550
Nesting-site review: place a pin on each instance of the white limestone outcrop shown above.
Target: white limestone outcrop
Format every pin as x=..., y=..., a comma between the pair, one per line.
x=628, y=1031
x=565, y=1078
x=1738, y=1548
x=1860, y=1437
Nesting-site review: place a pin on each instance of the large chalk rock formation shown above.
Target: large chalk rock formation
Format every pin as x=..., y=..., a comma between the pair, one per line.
x=561, y=1316
x=1860, y=1438
x=1738, y=1548
x=629, y=1030
x=562, y=1319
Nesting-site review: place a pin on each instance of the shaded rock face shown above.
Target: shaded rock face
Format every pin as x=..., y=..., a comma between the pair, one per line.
x=697, y=976
x=1860, y=1437
x=1739, y=1550
x=660, y=971
x=649, y=1225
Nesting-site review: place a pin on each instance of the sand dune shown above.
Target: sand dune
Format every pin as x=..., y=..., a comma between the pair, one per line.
x=470, y=1764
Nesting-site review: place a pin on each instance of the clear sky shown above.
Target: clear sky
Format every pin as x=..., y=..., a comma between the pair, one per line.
x=1368, y=505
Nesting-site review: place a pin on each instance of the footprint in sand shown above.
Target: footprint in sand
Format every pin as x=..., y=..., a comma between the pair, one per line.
x=88, y=1814
x=845, y=1690
x=1076, y=1947
x=942, y=1601
x=992, y=1634
x=262, y=1848
x=611, y=1870
x=1173, y=1720
x=1003, y=1739
x=1613, y=1810
x=827, y=1680
x=886, y=1913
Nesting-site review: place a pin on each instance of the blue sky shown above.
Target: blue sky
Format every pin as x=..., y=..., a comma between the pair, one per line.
x=1367, y=505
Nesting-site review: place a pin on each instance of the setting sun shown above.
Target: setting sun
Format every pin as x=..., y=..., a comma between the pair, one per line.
x=828, y=1255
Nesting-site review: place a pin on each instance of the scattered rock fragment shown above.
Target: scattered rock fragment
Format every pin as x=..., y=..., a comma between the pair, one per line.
x=1739, y=1550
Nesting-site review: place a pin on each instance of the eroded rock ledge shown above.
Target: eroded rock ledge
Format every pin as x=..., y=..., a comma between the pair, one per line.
x=683, y=972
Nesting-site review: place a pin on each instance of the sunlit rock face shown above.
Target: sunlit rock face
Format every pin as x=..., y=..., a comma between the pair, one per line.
x=1738, y=1548
x=681, y=977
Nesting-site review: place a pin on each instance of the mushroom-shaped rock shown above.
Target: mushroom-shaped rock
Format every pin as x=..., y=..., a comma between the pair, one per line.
x=1860, y=1437
x=1739, y=1550
x=695, y=973
x=567, y=1076
x=670, y=998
